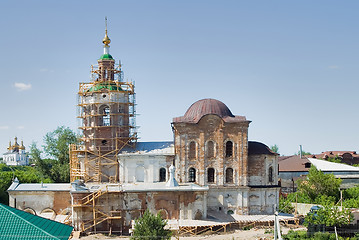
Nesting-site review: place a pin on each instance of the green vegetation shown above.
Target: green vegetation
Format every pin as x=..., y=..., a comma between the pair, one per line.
x=335, y=159
x=150, y=227
x=322, y=189
x=285, y=204
x=57, y=143
x=25, y=174
x=318, y=187
x=275, y=148
x=53, y=169
x=297, y=235
x=303, y=153
x=329, y=215
x=56, y=147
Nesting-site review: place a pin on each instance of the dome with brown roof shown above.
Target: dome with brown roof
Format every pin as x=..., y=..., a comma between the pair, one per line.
x=205, y=107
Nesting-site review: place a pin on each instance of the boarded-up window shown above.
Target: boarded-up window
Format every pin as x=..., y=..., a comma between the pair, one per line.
x=192, y=150
x=210, y=175
x=270, y=174
x=162, y=175
x=210, y=149
x=229, y=149
x=140, y=174
x=192, y=175
x=229, y=175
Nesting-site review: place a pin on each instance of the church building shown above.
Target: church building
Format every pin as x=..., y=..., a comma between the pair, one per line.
x=209, y=169
x=16, y=155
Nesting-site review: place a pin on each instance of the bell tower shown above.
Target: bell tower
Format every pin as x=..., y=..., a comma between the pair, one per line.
x=106, y=110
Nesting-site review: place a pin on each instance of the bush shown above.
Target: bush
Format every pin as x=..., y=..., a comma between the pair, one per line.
x=297, y=235
x=285, y=204
x=151, y=227
x=25, y=174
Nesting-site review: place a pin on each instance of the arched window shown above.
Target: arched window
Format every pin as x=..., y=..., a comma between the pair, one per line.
x=210, y=149
x=229, y=175
x=30, y=210
x=270, y=174
x=192, y=150
x=210, y=175
x=192, y=175
x=229, y=149
x=106, y=116
x=162, y=174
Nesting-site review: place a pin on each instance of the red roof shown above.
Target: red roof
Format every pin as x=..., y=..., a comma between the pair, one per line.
x=208, y=106
x=333, y=154
x=293, y=164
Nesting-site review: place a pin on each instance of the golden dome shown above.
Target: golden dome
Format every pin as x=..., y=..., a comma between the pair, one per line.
x=22, y=147
x=106, y=40
x=15, y=146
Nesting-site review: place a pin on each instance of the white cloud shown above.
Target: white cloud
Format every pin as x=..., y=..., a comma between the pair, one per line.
x=22, y=86
x=4, y=127
x=20, y=127
x=334, y=67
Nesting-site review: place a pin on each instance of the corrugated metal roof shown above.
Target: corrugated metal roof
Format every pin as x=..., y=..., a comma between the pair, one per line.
x=41, y=187
x=162, y=148
x=17, y=224
x=326, y=166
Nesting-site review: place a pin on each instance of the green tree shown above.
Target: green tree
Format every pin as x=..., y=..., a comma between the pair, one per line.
x=274, y=148
x=285, y=204
x=318, y=186
x=57, y=148
x=329, y=215
x=151, y=227
x=335, y=159
x=303, y=153
x=25, y=174
x=351, y=197
x=57, y=143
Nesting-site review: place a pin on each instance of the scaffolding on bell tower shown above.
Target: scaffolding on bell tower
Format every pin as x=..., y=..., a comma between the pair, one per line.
x=106, y=111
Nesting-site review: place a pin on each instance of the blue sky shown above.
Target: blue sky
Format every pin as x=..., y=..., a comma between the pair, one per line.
x=291, y=67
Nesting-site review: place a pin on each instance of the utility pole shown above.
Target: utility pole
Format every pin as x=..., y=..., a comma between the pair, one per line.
x=277, y=233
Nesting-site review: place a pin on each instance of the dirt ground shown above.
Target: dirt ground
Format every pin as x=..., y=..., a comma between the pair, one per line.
x=253, y=234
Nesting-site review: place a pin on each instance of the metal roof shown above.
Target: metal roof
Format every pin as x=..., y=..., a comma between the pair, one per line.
x=326, y=166
x=17, y=224
x=259, y=148
x=293, y=164
x=150, y=148
x=208, y=106
x=40, y=187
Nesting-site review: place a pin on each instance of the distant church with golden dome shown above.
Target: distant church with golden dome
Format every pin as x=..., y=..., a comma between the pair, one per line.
x=16, y=155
